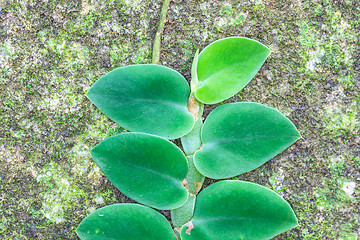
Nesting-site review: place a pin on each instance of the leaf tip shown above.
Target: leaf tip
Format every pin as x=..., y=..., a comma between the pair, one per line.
x=89, y=95
x=299, y=135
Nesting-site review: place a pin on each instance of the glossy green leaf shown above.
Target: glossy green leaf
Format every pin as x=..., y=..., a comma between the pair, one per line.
x=145, y=98
x=238, y=210
x=226, y=66
x=146, y=168
x=183, y=214
x=125, y=222
x=194, y=79
x=194, y=178
x=239, y=137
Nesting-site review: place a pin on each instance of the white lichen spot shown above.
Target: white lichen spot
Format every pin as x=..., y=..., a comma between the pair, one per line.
x=348, y=188
x=134, y=4
x=205, y=7
x=86, y=7
x=59, y=220
x=60, y=193
x=80, y=155
x=314, y=59
x=52, y=208
x=30, y=169
x=54, y=103
x=277, y=180
x=6, y=52
x=99, y=200
x=204, y=35
x=12, y=156
x=94, y=177
x=311, y=63
x=337, y=119
x=344, y=25
x=5, y=154
x=222, y=22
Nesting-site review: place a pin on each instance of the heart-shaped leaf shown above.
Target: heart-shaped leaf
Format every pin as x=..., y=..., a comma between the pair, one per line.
x=146, y=168
x=227, y=66
x=125, y=222
x=145, y=98
x=239, y=137
x=238, y=210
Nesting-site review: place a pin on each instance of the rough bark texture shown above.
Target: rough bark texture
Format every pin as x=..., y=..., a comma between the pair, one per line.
x=51, y=52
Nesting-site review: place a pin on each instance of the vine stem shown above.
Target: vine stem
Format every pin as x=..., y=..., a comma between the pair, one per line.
x=194, y=179
x=157, y=41
x=191, y=142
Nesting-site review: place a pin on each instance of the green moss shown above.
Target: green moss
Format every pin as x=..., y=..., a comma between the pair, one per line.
x=341, y=123
x=332, y=194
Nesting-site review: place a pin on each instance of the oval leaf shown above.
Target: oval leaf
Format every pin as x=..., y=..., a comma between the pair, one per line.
x=125, y=222
x=193, y=178
x=191, y=141
x=238, y=210
x=227, y=66
x=146, y=168
x=145, y=98
x=239, y=137
x=183, y=214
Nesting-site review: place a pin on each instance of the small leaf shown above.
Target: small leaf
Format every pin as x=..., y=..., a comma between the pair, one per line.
x=191, y=141
x=227, y=66
x=238, y=210
x=145, y=98
x=194, y=179
x=125, y=222
x=146, y=168
x=183, y=214
x=239, y=137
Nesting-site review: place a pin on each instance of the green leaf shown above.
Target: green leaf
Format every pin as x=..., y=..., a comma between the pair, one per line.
x=145, y=98
x=226, y=66
x=193, y=178
x=238, y=210
x=239, y=137
x=183, y=214
x=146, y=168
x=194, y=79
x=125, y=222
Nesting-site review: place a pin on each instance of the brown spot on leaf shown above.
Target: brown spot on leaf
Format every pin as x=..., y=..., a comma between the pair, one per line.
x=197, y=186
x=186, y=184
